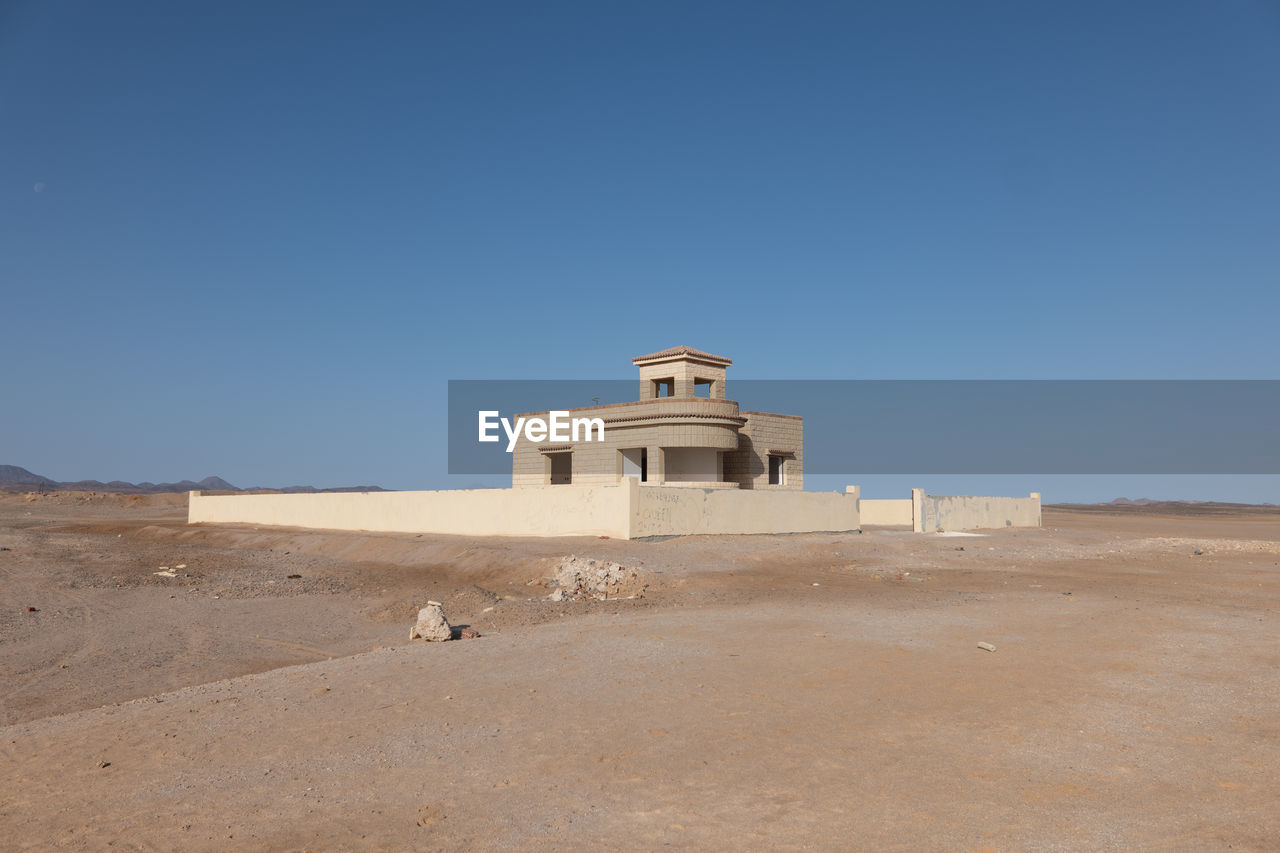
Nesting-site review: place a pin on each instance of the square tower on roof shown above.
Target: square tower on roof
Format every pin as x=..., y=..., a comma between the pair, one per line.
x=680, y=372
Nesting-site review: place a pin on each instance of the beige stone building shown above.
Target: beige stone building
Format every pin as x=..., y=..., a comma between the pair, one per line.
x=743, y=473
x=682, y=431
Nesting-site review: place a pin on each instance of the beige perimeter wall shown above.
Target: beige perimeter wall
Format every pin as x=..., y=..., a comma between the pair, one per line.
x=624, y=511
x=963, y=512
x=533, y=511
x=665, y=511
x=885, y=512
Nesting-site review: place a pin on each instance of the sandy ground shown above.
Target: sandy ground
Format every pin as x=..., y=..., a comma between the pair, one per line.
x=773, y=692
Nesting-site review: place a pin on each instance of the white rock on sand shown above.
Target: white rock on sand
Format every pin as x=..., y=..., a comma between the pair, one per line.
x=431, y=625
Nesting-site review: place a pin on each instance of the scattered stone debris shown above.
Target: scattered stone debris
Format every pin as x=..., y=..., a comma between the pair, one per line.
x=469, y=634
x=987, y=647
x=582, y=578
x=894, y=575
x=431, y=625
x=166, y=572
x=430, y=815
x=6, y=549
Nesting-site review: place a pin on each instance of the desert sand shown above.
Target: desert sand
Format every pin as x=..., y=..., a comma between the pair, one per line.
x=821, y=691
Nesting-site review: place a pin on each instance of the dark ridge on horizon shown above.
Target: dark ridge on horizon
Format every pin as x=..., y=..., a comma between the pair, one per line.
x=1182, y=507
x=1153, y=502
x=16, y=479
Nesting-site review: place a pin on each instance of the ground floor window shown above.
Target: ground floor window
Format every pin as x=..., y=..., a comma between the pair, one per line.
x=561, y=468
x=635, y=463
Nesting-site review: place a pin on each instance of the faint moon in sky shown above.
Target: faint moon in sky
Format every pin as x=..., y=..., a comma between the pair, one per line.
x=39, y=188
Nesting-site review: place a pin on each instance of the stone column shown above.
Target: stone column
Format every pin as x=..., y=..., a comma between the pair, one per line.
x=657, y=466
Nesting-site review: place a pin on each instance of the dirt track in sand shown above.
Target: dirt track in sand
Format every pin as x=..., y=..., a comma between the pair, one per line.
x=782, y=692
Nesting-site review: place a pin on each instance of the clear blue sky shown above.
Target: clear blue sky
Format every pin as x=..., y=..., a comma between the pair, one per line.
x=255, y=239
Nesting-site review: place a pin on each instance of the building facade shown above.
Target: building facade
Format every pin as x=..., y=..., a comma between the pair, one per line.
x=682, y=431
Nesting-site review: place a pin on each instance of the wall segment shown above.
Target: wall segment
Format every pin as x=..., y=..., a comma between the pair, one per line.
x=627, y=510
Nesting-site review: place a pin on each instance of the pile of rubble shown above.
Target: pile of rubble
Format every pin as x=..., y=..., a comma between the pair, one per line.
x=584, y=579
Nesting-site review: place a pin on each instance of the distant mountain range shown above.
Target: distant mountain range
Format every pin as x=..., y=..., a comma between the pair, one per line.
x=1150, y=502
x=15, y=479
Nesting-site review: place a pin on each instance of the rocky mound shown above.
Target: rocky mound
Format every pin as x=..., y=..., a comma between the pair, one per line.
x=582, y=578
